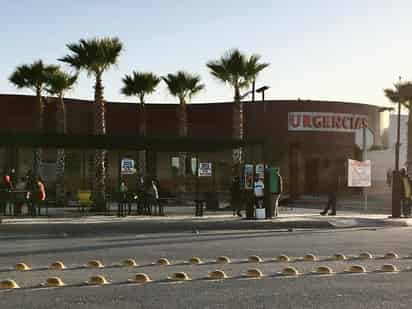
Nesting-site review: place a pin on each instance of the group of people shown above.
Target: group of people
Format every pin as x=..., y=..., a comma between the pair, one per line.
x=146, y=196
x=29, y=190
x=238, y=199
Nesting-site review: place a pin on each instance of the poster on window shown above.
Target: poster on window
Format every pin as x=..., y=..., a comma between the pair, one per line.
x=359, y=173
x=128, y=167
x=248, y=176
x=260, y=170
x=205, y=169
x=175, y=162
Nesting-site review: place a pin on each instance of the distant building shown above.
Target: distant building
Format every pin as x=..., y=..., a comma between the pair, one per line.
x=306, y=139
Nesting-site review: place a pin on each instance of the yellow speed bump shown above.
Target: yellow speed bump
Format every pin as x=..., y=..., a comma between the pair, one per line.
x=54, y=282
x=324, y=270
x=141, y=278
x=290, y=271
x=22, y=267
x=389, y=268
x=255, y=259
x=356, y=269
x=95, y=264
x=223, y=260
x=283, y=258
x=365, y=256
x=180, y=276
x=254, y=273
x=195, y=260
x=217, y=274
x=339, y=257
x=163, y=261
x=129, y=263
x=98, y=280
x=57, y=265
x=391, y=255
x=9, y=284
x=310, y=258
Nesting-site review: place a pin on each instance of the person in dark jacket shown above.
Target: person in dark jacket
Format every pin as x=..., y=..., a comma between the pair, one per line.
x=332, y=194
x=235, y=193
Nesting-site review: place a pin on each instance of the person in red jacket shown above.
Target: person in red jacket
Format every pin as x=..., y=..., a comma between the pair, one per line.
x=39, y=195
x=5, y=188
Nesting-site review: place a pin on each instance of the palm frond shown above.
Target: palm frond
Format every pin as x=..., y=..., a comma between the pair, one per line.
x=59, y=82
x=139, y=84
x=183, y=85
x=32, y=76
x=94, y=55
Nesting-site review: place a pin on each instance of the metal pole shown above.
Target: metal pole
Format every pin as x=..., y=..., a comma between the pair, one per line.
x=396, y=182
x=364, y=158
x=253, y=90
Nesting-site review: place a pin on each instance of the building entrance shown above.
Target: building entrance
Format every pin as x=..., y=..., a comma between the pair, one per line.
x=312, y=176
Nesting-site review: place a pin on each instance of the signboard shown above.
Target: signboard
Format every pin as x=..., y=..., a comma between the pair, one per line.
x=260, y=170
x=205, y=169
x=175, y=162
x=127, y=167
x=193, y=165
x=327, y=122
x=359, y=173
x=248, y=176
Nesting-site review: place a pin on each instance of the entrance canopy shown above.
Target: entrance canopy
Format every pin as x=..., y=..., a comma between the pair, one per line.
x=158, y=144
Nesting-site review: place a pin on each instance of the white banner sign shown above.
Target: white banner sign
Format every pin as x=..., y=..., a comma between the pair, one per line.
x=205, y=169
x=359, y=173
x=128, y=167
x=327, y=122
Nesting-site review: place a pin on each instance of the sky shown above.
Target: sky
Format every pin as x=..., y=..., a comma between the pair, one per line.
x=318, y=50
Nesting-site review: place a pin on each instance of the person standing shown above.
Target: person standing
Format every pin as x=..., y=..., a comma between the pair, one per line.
x=258, y=190
x=156, y=199
x=121, y=209
x=39, y=195
x=332, y=188
x=31, y=189
x=236, y=200
x=5, y=188
x=406, y=193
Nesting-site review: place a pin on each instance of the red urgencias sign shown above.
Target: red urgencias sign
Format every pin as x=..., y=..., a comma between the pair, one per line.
x=328, y=122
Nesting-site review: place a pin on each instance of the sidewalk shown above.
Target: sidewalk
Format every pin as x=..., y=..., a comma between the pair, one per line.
x=182, y=219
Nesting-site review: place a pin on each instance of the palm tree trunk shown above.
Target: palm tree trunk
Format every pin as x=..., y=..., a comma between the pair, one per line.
x=182, y=133
x=61, y=157
x=409, y=142
x=237, y=132
x=99, y=185
x=38, y=151
x=142, y=132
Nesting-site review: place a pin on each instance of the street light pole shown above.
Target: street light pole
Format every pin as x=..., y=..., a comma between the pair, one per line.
x=396, y=182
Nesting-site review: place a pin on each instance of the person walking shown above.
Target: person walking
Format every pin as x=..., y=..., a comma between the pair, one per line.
x=30, y=189
x=278, y=193
x=156, y=199
x=236, y=201
x=332, y=188
x=406, y=193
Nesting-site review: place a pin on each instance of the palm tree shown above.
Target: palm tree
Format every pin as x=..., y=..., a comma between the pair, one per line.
x=34, y=76
x=95, y=56
x=140, y=84
x=403, y=93
x=184, y=86
x=58, y=83
x=235, y=69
